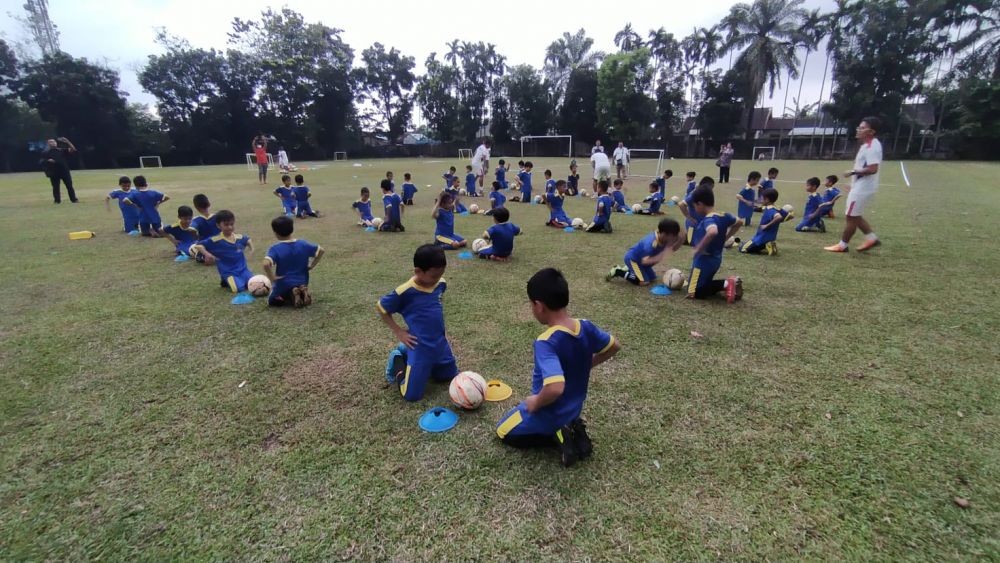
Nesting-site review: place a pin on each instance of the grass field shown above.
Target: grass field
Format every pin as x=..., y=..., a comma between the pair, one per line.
x=835, y=413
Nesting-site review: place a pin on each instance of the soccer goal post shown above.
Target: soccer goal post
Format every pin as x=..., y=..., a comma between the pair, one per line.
x=339, y=155
x=547, y=145
x=645, y=163
x=763, y=153
x=252, y=160
x=465, y=153
x=150, y=162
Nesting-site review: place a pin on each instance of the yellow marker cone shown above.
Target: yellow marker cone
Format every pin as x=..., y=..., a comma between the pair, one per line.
x=81, y=235
x=497, y=390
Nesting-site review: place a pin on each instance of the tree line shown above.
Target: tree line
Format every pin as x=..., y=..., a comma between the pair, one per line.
x=299, y=81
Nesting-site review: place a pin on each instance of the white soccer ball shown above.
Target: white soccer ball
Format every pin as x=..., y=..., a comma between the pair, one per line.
x=467, y=390
x=377, y=222
x=637, y=208
x=788, y=208
x=538, y=199
x=473, y=209
x=479, y=244
x=577, y=223
x=463, y=192
x=730, y=242
x=259, y=285
x=674, y=278
x=583, y=193
x=675, y=199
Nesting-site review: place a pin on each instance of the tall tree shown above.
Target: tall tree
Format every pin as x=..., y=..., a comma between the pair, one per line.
x=719, y=116
x=578, y=113
x=627, y=39
x=437, y=101
x=767, y=31
x=980, y=48
x=666, y=53
x=567, y=54
x=385, y=82
x=625, y=111
x=530, y=101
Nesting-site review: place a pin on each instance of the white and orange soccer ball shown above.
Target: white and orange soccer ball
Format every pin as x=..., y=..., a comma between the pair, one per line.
x=577, y=223
x=463, y=192
x=259, y=285
x=636, y=208
x=473, y=209
x=479, y=244
x=583, y=193
x=467, y=390
x=538, y=199
x=377, y=222
x=788, y=208
x=674, y=278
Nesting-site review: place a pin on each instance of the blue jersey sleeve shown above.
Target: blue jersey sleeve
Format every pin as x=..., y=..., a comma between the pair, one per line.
x=516, y=230
x=598, y=340
x=547, y=364
x=391, y=303
x=310, y=248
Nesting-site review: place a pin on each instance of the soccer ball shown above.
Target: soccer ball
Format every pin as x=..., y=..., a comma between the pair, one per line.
x=467, y=390
x=675, y=199
x=377, y=222
x=259, y=285
x=473, y=209
x=479, y=244
x=731, y=241
x=538, y=199
x=583, y=193
x=577, y=223
x=788, y=208
x=673, y=278
x=636, y=208
x=463, y=192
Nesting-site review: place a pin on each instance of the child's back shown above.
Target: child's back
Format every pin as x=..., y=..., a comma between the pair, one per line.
x=291, y=260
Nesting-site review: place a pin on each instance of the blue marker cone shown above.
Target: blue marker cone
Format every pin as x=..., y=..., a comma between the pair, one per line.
x=242, y=298
x=370, y=229
x=569, y=229
x=438, y=419
x=465, y=255
x=464, y=214
x=660, y=290
x=629, y=212
x=182, y=258
x=133, y=233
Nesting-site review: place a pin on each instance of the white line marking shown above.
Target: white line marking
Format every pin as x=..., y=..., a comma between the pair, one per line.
x=905, y=179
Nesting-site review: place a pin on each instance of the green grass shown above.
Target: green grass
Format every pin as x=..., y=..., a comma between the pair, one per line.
x=835, y=413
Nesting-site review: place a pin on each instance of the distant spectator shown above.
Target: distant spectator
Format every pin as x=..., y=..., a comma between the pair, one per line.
x=54, y=163
x=725, y=161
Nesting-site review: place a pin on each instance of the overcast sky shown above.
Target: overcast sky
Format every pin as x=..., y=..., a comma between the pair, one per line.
x=120, y=33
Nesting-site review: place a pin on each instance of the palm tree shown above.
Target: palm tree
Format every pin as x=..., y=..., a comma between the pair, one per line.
x=627, y=39
x=767, y=31
x=454, y=53
x=729, y=27
x=810, y=34
x=665, y=50
x=568, y=53
x=983, y=42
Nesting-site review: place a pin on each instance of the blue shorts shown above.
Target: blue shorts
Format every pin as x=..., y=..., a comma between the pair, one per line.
x=424, y=364
x=703, y=271
x=490, y=251
x=519, y=422
x=641, y=273
x=288, y=206
x=303, y=208
x=747, y=219
x=237, y=281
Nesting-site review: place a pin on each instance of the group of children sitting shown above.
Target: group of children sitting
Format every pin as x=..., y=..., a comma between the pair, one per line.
x=210, y=238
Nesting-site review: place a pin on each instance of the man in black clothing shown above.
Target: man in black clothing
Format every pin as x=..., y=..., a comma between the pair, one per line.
x=56, y=168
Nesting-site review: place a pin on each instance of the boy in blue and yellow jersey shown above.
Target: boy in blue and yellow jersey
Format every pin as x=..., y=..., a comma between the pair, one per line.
x=500, y=236
x=830, y=196
x=204, y=223
x=470, y=182
x=711, y=234
x=564, y=355
x=444, y=216
x=691, y=216
x=602, y=211
x=287, y=265
x=302, y=195
x=497, y=199
x=181, y=234
x=746, y=199
x=573, y=180
x=148, y=202
x=364, y=208
x=449, y=177
x=768, y=183
x=812, y=219
x=286, y=193
x=550, y=184
x=557, y=216
x=456, y=195
x=524, y=179
x=392, y=184
x=655, y=200
x=648, y=252
x=409, y=189
x=661, y=182
x=765, y=241
x=501, y=173
x=618, y=197
x=691, y=184
x=426, y=353
x=226, y=250
x=393, y=205
x=130, y=214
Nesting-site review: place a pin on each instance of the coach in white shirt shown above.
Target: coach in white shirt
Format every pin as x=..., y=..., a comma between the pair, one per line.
x=864, y=184
x=597, y=147
x=602, y=167
x=621, y=159
x=481, y=161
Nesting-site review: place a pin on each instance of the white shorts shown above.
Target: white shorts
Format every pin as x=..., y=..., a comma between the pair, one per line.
x=857, y=203
x=477, y=170
x=602, y=173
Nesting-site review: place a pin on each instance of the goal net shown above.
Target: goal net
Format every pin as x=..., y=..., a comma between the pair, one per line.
x=150, y=162
x=547, y=145
x=763, y=153
x=645, y=163
x=340, y=155
x=252, y=160
x=465, y=154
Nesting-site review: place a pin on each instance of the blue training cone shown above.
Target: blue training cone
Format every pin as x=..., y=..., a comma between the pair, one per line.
x=569, y=229
x=133, y=233
x=182, y=258
x=464, y=214
x=465, y=255
x=370, y=229
x=242, y=298
x=629, y=212
x=660, y=290
x=438, y=419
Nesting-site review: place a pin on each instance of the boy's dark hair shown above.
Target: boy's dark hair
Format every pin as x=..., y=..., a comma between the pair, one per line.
x=502, y=162
x=549, y=287
x=874, y=123
x=386, y=185
x=602, y=186
x=772, y=170
x=572, y=165
x=814, y=181
x=520, y=163
x=529, y=164
x=139, y=181
x=445, y=197
x=501, y=215
x=223, y=216
x=497, y=186
x=691, y=174
x=299, y=179
x=832, y=178
x=548, y=172
x=753, y=176
x=468, y=167
x=406, y=176
x=286, y=177
x=669, y=227
x=429, y=256
x=703, y=195
x=201, y=201
x=451, y=168
x=654, y=185
x=707, y=180
x=389, y=173
x=618, y=182
x=124, y=180
x=283, y=225
x=770, y=194
x=560, y=184
x=184, y=212
x=365, y=190
x=669, y=172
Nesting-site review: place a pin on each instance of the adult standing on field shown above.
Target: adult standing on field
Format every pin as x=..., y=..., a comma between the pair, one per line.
x=597, y=147
x=481, y=161
x=56, y=167
x=602, y=167
x=725, y=161
x=864, y=184
x=259, y=147
x=620, y=157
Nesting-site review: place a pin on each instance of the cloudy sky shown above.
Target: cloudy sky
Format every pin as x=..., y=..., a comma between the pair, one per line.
x=120, y=33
